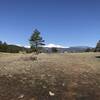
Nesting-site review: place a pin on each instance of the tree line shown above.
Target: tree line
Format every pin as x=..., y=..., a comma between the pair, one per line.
x=36, y=45
x=4, y=47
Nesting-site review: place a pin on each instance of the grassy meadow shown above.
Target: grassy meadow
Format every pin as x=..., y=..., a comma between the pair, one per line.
x=59, y=76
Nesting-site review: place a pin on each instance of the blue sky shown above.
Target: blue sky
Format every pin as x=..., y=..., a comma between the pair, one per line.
x=61, y=22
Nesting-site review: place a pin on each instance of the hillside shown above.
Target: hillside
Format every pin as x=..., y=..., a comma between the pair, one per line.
x=70, y=49
x=11, y=48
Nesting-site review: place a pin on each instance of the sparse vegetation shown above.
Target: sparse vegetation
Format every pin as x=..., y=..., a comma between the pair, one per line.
x=62, y=63
x=69, y=76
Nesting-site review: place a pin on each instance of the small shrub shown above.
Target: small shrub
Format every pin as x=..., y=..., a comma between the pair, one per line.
x=33, y=58
x=54, y=50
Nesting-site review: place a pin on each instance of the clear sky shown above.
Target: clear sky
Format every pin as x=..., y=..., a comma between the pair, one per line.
x=61, y=22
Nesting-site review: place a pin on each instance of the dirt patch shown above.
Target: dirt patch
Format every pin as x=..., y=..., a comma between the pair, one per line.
x=25, y=87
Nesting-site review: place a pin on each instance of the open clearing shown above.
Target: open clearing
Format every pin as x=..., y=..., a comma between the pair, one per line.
x=66, y=76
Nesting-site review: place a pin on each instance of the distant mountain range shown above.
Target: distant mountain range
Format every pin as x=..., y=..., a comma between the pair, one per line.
x=70, y=49
x=16, y=49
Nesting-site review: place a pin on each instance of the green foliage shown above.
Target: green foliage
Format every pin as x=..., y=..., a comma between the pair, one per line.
x=36, y=41
x=14, y=49
x=29, y=50
x=88, y=50
x=54, y=50
x=97, y=49
x=4, y=47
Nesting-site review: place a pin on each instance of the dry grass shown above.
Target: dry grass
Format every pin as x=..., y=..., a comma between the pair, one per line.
x=72, y=76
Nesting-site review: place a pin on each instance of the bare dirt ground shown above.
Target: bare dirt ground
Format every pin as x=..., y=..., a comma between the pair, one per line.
x=69, y=76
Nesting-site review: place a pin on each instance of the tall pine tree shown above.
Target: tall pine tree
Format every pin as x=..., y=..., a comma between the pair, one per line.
x=36, y=41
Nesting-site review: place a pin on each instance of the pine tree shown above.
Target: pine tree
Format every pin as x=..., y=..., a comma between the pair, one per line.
x=97, y=49
x=36, y=41
x=54, y=49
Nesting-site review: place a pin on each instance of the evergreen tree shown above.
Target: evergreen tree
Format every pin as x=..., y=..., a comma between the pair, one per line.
x=4, y=47
x=88, y=50
x=97, y=49
x=54, y=49
x=36, y=41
